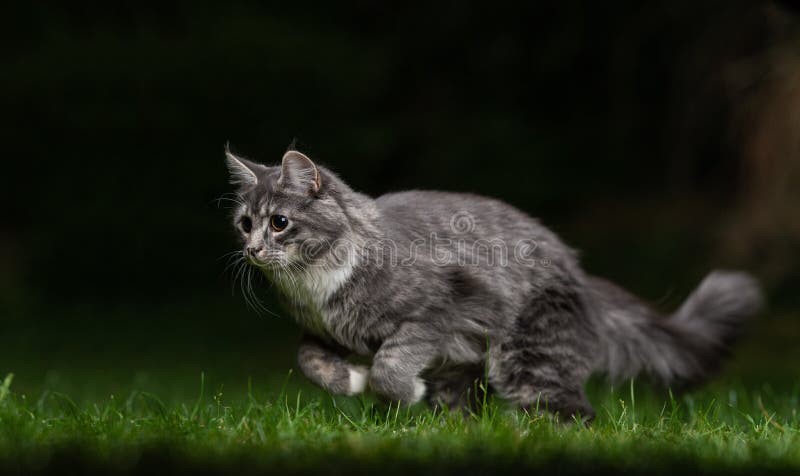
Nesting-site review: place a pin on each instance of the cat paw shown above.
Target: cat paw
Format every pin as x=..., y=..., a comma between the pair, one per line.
x=419, y=390
x=358, y=379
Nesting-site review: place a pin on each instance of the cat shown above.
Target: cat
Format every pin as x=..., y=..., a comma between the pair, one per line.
x=444, y=289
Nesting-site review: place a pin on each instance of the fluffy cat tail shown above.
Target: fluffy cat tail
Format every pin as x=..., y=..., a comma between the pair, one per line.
x=684, y=348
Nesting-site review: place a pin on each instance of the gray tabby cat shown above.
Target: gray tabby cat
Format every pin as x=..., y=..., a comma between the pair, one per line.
x=443, y=289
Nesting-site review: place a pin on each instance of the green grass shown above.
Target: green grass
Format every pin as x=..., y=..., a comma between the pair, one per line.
x=113, y=394
x=284, y=428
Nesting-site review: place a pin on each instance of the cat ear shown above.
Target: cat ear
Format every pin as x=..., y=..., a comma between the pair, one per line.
x=297, y=170
x=243, y=171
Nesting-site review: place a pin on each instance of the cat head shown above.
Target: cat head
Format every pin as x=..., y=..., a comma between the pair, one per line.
x=289, y=215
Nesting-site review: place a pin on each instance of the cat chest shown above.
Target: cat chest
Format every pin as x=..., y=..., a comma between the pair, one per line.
x=329, y=323
x=310, y=298
x=310, y=318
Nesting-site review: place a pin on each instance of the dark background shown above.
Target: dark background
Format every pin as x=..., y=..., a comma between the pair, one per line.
x=660, y=138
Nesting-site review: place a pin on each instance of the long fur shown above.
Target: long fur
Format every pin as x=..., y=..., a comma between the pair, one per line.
x=684, y=348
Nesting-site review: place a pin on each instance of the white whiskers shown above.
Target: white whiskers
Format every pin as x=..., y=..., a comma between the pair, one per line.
x=242, y=272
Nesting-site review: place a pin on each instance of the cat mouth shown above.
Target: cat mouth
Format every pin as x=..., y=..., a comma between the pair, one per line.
x=264, y=261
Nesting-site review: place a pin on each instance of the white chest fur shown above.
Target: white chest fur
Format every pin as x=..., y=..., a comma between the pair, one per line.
x=310, y=290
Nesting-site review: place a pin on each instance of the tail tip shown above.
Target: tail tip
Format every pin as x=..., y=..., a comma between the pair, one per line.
x=735, y=291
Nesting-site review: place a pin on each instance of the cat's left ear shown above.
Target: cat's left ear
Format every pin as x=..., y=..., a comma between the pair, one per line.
x=243, y=172
x=298, y=171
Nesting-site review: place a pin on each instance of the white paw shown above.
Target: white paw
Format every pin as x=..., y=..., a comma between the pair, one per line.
x=419, y=390
x=358, y=379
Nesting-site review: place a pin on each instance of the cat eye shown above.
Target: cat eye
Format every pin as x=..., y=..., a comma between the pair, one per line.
x=278, y=222
x=246, y=224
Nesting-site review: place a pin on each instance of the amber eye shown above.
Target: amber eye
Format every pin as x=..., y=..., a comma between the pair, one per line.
x=278, y=222
x=247, y=224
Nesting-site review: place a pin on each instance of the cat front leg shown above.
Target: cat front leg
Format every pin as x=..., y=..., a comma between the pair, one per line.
x=324, y=366
x=396, y=367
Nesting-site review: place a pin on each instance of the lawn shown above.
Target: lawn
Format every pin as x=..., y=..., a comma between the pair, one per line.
x=293, y=430
x=134, y=398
